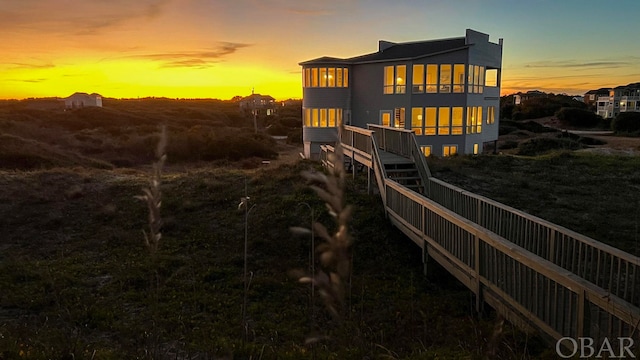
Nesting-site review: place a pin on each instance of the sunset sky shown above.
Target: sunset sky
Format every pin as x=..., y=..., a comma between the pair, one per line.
x=222, y=48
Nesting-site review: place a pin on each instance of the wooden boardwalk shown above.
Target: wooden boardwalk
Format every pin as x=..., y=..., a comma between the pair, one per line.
x=538, y=275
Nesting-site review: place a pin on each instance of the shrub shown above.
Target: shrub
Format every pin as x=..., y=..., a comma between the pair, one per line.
x=578, y=117
x=540, y=146
x=626, y=122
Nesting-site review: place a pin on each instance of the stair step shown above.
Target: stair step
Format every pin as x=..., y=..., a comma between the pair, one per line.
x=401, y=170
x=397, y=178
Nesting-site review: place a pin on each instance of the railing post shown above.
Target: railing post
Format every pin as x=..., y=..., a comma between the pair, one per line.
x=581, y=309
x=476, y=263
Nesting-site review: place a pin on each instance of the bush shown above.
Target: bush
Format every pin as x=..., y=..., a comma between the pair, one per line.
x=578, y=117
x=540, y=146
x=626, y=122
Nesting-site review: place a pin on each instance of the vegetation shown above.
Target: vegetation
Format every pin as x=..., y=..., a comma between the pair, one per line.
x=536, y=107
x=627, y=122
x=578, y=117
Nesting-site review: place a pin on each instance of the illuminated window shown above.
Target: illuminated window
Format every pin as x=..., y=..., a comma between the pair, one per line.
x=388, y=80
x=444, y=121
x=401, y=79
x=314, y=77
x=418, y=79
x=470, y=79
x=449, y=150
x=395, y=82
x=416, y=120
x=481, y=80
x=475, y=149
x=426, y=150
x=304, y=78
x=398, y=118
x=339, y=77
x=323, y=77
x=458, y=78
x=479, y=120
x=445, y=78
x=471, y=119
x=346, y=78
x=430, y=116
x=332, y=117
x=331, y=77
x=386, y=119
x=307, y=117
x=491, y=78
x=476, y=79
x=432, y=78
x=456, y=120
x=323, y=117
x=491, y=114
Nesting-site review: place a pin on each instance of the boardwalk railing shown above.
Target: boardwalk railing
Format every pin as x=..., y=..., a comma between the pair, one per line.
x=528, y=269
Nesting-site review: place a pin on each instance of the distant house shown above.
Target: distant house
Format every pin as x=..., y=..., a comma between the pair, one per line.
x=591, y=96
x=519, y=98
x=261, y=104
x=620, y=99
x=80, y=100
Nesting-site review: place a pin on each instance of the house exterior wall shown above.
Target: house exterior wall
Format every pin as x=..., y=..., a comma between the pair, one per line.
x=364, y=100
x=76, y=101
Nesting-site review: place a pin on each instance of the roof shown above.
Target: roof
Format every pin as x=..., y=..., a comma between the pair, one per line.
x=599, y=91
x=396, y=51
x=82, y=94
x=254, y=96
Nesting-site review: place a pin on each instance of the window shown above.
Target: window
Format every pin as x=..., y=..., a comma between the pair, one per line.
x=476, y=78
x=443, y=121
x=432, y=78
x=470, y=79
x=325, y=77
x=430, y=120
x=307, y=117
x=418, y=79
x=471, y=119
x=481, y=80
x=388, y=80
x=491, y=114
x=445, y=78
x=456, y=120
x=426, y=150
x=331, y=77
x=475, y=149
x=491, y=78
x=322, y=117
x=398, y=118
x=449, y=150
x=395, y=79
x=458, y=78
x=386, y=119
x=479, y=120
x=416, y=120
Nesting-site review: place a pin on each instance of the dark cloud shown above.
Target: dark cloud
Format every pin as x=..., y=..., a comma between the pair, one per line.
x=194, y=59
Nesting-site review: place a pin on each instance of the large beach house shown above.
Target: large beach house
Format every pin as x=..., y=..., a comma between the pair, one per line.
x=447, y=91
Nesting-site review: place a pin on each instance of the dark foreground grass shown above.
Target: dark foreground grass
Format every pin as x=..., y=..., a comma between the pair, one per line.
x=77, y=282
x=596, y=195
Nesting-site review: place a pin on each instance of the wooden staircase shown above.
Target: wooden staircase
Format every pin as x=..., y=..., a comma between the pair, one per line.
x=406, y=174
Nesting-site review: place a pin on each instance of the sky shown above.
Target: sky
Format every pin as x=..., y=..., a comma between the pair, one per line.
x=223, y=48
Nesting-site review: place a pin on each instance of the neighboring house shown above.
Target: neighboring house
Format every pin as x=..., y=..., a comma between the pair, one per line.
x=262, y=104
x=620, y=99
x=519, y=98
x=591, y=96
x=80, y=100
x=446, y=91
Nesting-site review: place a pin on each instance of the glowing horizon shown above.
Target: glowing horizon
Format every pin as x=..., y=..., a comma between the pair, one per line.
x=218, y=50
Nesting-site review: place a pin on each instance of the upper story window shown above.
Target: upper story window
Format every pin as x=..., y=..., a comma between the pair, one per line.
x=395, y=79
x=434, y=78
x=315, y=117
x=325, y=77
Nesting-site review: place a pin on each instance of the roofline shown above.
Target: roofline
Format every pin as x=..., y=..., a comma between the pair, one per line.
x=411, y=58
x=354, y=62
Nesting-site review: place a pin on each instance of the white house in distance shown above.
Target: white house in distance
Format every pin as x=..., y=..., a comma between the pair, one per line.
x=80, y=100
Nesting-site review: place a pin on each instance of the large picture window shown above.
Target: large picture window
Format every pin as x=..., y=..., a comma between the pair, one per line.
x=445, y=78
x=417, y=120
x=326, y=77
x=456, y=120
x=395, y=79
x=418, y=79
x=458, y=78
x=432, y=78
x=444, y=122
x=322, y=118
x=430, y=117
